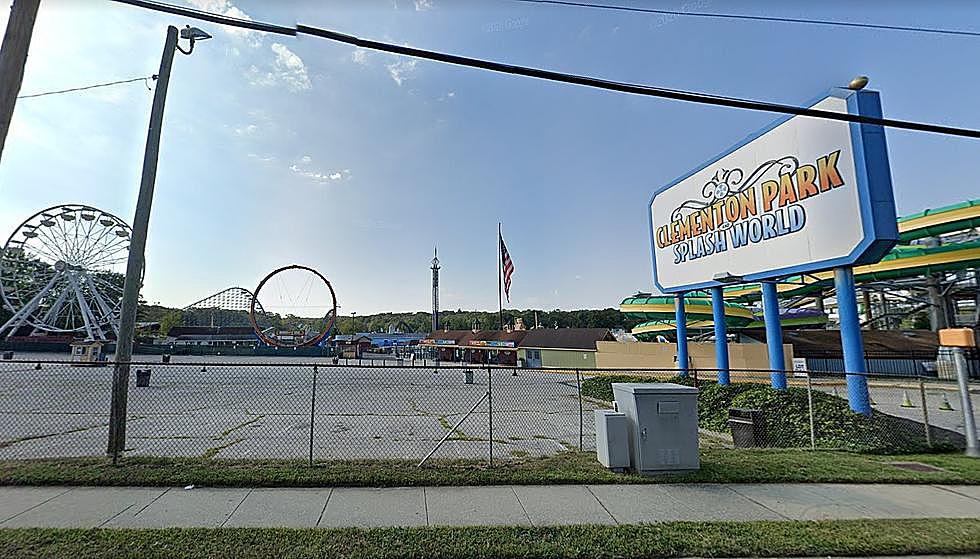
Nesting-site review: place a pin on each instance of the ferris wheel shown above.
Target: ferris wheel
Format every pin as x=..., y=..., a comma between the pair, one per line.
x=62, y=272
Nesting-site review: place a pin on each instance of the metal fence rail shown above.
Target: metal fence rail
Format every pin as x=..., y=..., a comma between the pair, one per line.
x=321, y=411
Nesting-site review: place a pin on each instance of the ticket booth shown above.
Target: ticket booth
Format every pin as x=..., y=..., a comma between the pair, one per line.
x=88, y=354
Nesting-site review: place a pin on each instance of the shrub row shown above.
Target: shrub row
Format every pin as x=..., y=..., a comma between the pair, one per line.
x=787, y=416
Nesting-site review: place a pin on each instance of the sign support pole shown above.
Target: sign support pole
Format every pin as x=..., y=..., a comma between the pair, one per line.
x=721, y=333
x=774, y=335
x=680, y=321
x=851, y=342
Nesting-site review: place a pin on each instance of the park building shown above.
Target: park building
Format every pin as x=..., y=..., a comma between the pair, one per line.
x=538, y=348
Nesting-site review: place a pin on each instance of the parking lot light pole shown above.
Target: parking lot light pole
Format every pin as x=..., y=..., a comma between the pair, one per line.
x=137, y=244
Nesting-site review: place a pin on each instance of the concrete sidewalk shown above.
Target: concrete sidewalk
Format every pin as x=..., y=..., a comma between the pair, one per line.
x=152, y=507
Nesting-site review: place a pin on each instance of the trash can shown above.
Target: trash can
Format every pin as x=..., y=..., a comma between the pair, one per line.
x=748, y=427
x=8, y=355
x=165, y=358
x=142, y=378
x=468, y=377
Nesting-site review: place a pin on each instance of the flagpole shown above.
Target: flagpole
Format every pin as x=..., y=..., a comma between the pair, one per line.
x=500, y=277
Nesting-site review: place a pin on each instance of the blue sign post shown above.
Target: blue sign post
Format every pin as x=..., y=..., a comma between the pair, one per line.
x=680, y=320
x=851, y=342
x=774, y=335
x=721, y=333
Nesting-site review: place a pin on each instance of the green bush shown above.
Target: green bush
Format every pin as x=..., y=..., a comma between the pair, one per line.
x=836, y=426
x=600, y=387
x=787, y=416
x=713, y=402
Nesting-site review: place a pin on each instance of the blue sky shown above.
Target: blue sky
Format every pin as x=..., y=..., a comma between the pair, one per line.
x=280, y=150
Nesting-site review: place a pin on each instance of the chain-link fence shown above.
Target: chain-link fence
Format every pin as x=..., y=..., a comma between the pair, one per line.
x=325, y=411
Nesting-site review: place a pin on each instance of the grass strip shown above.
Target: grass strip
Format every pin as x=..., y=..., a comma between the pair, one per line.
x=717, y=466
x=728, y=539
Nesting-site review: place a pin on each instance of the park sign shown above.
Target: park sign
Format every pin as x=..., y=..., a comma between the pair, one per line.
x=801, y=195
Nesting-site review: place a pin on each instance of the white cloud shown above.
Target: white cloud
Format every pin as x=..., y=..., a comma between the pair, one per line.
x=287, y=70
x=227, y=8
x=264, y=158
x=421, y=5
x=247, y=130
x=360, y=56
x=402, y=70
x=307, y=171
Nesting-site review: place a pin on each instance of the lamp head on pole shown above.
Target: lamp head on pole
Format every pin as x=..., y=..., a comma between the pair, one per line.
x=193, y=34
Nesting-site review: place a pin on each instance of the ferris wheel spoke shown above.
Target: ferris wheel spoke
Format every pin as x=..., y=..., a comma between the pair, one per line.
x=43, y=250
x=108, y=285
x=52, y=241
x=106, y=230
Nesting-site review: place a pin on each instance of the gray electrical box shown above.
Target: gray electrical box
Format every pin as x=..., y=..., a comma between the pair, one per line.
x=663, y=425
x=612, y=445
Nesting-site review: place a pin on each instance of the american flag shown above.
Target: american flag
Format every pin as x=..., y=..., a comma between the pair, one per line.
x=507, y=266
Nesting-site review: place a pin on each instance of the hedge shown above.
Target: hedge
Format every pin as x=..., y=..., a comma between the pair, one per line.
x=787, y=417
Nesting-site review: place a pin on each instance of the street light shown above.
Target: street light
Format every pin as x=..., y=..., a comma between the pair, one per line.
x=137, y=245
x=194, y=34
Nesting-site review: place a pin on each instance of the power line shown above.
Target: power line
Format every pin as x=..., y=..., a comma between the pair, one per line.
x=636, y=89
x=106, y=84
x=757, y=18
x=212, y=17
x=622, y=87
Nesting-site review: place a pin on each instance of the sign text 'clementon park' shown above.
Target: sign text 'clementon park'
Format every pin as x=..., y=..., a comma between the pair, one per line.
x=739, y=219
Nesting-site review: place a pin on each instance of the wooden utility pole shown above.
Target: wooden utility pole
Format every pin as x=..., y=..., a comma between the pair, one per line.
x=13, y=58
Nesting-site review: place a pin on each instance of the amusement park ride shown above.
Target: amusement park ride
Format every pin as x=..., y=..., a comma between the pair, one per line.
x=61, y=277
x=61, y=273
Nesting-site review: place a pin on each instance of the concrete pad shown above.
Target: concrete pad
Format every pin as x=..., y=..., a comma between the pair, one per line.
x=369, y=507
x=632, y=504
x=85, y=507
x=971, y=491
x=562, y=504
x=206, y=507
x=474, y=506
x=280, y=508
x=710, y=502
x=17, y=500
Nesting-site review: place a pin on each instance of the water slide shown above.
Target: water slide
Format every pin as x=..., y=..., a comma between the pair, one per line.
x=658, y=312
x=903, y=261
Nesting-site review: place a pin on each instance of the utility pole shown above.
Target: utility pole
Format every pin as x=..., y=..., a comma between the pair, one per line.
x=13, y=59
x=137, y=244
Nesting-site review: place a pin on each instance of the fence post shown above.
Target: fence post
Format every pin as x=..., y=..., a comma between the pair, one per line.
x=813, y=423
x=925, y=411
x=312, y=414
x=490, y=415
x=581, y=412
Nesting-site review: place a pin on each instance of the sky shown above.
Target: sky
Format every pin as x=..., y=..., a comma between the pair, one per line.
x=282, y=150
